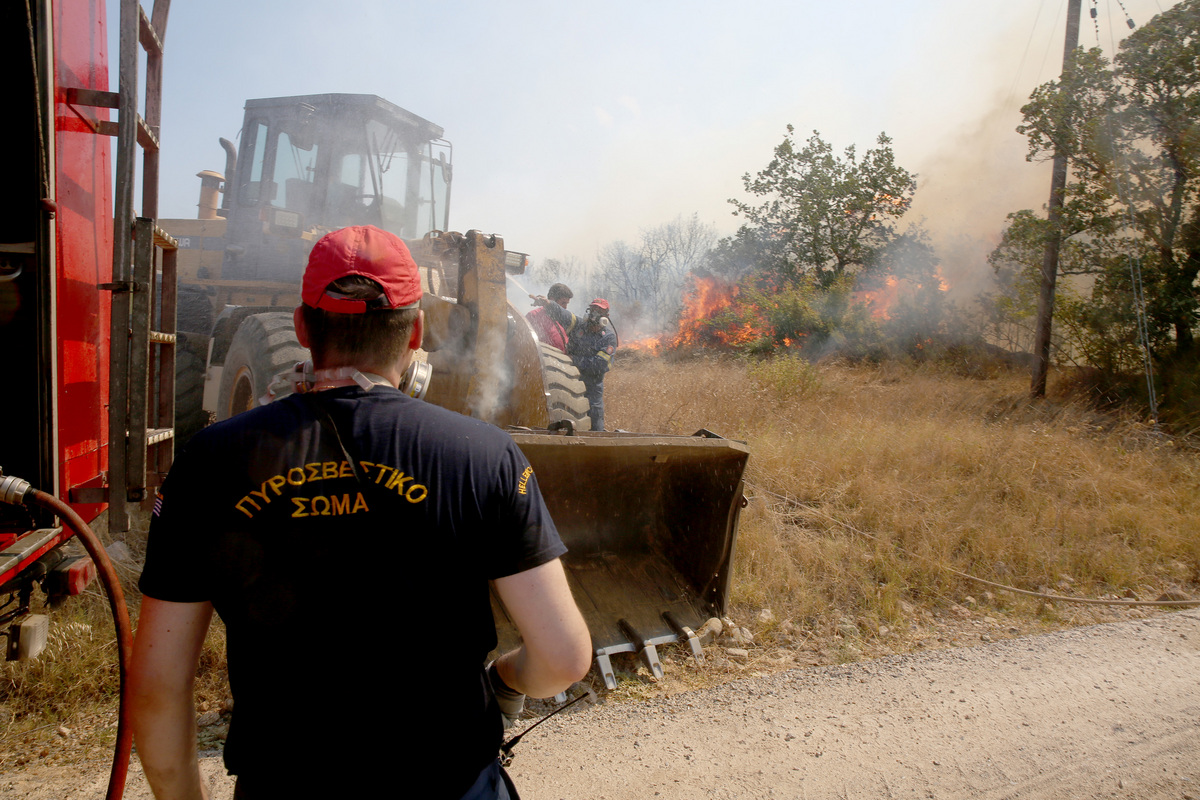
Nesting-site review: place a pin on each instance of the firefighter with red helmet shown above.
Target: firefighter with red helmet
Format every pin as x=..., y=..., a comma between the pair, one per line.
x=592, y=341
x=591, y=346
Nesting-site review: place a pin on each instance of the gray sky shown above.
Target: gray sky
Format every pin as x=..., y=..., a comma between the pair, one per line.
x=576, y=125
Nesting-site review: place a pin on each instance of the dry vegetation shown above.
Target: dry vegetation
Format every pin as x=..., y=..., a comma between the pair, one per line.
x=867, y=483
x=62, y=705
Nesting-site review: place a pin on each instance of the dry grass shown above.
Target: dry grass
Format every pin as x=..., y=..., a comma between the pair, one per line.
x=74, y=683
x=940, y=471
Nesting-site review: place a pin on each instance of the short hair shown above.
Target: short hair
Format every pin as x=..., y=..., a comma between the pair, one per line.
x=376, y=337
x=559, y=290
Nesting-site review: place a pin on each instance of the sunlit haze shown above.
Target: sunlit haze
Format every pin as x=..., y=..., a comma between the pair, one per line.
x=576, y=125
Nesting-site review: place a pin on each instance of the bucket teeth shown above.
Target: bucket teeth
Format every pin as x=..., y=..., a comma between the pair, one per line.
x=650, y=656
x=604, y=663
x=646, y=647
x=686, y=634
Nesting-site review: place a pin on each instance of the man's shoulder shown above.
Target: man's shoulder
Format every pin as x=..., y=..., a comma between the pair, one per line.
x=431, y=422
x=274, y=419
x=378, y=410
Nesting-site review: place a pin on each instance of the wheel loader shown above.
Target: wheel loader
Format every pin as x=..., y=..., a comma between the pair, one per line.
x=650, y=520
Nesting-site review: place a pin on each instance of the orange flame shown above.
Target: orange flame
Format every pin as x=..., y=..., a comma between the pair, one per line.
x=703, y=304
x=943, y=284
x=651, y=345
x=880, y=301
x=707, y=298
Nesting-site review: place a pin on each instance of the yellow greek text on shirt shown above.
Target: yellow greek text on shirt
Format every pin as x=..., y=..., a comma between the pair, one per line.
x=383, y=475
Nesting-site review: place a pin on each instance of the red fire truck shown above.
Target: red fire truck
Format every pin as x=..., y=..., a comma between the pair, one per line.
x=87, y=316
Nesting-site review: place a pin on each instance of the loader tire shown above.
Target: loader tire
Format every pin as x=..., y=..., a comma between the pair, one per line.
x=263, y=346
x=566, y=400
x=190, y=415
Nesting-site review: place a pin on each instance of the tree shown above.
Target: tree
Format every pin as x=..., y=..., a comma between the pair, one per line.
x=622, y=278
x=1131, y=130
x=569, y=270
x=1017, y=265
x=647, y=279
x=1096, y=319
x=823, y=215
x=736, y=256
x=921, y=310
x=676, y=249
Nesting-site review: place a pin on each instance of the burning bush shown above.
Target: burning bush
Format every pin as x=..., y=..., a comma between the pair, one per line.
x=862, y=316
x=759, y=317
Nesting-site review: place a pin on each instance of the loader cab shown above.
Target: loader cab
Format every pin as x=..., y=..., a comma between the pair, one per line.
x=309, y=165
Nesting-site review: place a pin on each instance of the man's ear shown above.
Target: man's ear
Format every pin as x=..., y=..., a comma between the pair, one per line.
x=418, y=332
x=301, y=328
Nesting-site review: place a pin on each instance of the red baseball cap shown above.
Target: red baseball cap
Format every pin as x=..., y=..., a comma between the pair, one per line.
x=361, y=250
x=600, y=303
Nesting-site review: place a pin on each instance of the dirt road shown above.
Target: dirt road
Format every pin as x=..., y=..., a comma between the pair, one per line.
x=1108, y=711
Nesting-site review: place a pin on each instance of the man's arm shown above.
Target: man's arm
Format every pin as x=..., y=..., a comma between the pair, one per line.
x=559, y=314
x=161, y=690
x=557, y=648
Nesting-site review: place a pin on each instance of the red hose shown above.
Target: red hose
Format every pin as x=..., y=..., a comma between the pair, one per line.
x=116, y=601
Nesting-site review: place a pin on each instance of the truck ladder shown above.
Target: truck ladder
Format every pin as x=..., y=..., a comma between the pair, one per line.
x=141, y=421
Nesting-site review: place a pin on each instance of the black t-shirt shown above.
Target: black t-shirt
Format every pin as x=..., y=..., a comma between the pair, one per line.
x=356, y=607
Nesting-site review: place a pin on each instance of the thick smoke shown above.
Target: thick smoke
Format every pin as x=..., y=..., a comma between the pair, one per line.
x=966, y=191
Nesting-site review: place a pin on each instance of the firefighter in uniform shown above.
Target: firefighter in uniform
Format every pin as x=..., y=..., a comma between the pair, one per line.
x=306, y=523
x=591, y=346
x=591, y=343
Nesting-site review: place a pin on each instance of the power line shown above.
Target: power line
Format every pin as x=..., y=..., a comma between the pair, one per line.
x=1012, y=90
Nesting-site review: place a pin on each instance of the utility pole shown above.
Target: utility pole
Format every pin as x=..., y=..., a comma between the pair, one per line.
x=1058, y=187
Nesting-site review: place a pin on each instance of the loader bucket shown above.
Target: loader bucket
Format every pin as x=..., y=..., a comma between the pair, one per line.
x=650, y=522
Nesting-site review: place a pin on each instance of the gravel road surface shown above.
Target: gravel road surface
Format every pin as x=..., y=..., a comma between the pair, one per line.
x=1107, y=711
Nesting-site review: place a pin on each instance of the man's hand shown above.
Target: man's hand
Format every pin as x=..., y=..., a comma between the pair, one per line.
x=539, y=300
x=161, y=692
x=511, y=702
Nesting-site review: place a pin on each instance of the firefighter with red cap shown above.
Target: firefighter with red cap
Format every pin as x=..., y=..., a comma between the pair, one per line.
x=309, y=524
x=591, y=343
